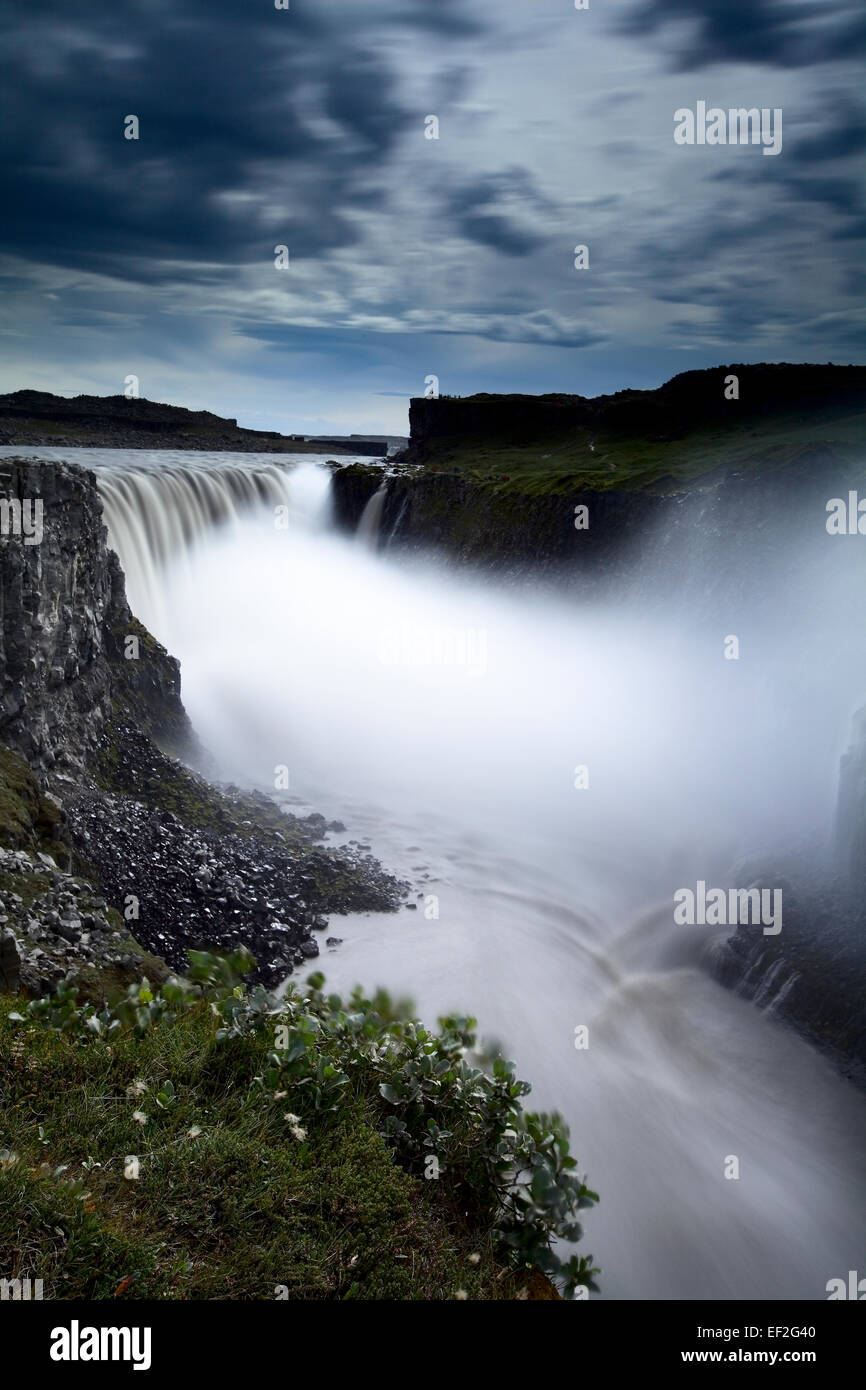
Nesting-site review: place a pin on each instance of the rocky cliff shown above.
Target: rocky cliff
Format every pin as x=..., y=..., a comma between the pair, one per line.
x=70, y=649
x=38, y=418
x=116, y=855
x=813, y=975
x=709, y=492
x=689, y=401
x=495, y=480
x=497, y=528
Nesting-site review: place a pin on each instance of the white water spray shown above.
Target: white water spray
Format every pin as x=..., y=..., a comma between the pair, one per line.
x=371, y=518
x=542, y=907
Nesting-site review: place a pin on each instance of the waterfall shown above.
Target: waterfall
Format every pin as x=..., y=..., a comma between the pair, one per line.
x=371, y=518
x=544, y=904
x=775, y=986
x=540, y=907
x=159, y=513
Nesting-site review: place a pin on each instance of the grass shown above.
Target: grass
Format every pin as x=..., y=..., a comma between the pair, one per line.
x=238, y=1211
x=606, y=460
x=148, y=1151
x=228, y=1202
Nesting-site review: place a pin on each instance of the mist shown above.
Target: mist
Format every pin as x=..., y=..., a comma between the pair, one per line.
x=548, y=768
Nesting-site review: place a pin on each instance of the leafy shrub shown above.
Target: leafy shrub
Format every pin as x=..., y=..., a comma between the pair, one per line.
x=442, y=1107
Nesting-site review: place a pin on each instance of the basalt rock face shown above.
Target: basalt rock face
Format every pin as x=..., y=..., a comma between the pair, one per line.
x=497, y=530
x=686, y=401
x=352, y=486
x=512, y=531
x=590, y=535
x=116, y=858
x=495, y=479
x=65, y=656
x=812, y=975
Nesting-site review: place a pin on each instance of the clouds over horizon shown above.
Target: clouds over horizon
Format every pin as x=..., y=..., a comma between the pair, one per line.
x=305, y=127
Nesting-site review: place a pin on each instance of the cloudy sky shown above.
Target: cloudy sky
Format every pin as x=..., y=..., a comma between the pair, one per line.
x=410, y=256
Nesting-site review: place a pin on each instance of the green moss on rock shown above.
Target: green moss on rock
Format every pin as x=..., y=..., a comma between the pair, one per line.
x=28, y=819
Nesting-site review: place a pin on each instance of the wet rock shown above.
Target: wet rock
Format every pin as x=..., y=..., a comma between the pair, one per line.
x=10, y=962
x=179, y=859
x=62, y=626
x=242, y=884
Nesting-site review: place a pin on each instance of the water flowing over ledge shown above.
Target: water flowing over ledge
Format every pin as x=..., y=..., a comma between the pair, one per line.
x=159, y=512
x=540, y=907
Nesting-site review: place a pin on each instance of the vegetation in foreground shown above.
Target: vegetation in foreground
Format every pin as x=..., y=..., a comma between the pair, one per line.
x=213, y=1142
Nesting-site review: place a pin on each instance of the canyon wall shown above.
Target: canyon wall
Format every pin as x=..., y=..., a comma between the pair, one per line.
x=65, y=625
x=688, y=401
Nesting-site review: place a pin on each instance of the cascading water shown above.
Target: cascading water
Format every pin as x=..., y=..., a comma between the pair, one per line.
x=162, y=506
x=159, y=514
x=446, y=720
x=371, y=517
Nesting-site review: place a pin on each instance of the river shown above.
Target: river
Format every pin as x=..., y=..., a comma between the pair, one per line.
x=547, y=771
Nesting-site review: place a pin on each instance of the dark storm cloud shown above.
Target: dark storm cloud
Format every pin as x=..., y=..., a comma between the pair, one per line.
x=836, y=195
x=843, y=135
x=213, y=89
x=257, y=128
x=843, y=196
x=779, y=33
x=306, y=128
x=449, y=18
x=480, y=210
x=498, y=233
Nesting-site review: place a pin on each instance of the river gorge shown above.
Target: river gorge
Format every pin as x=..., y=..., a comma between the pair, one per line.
x=547, y=764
